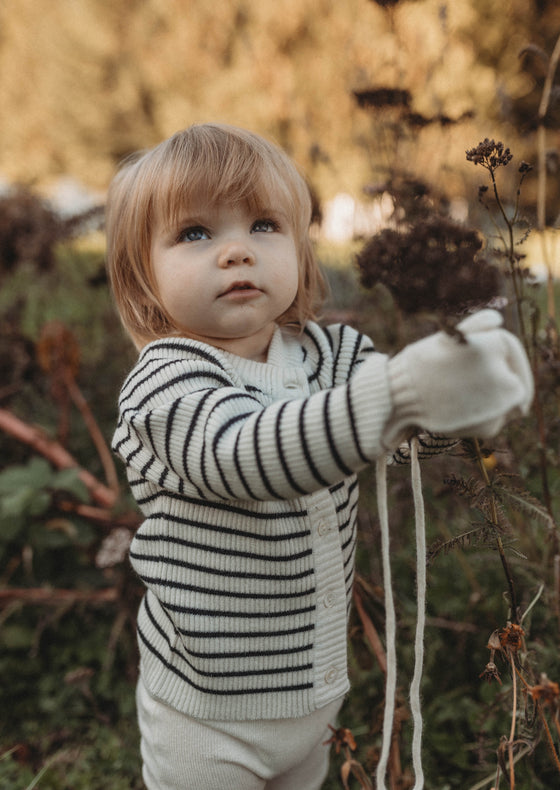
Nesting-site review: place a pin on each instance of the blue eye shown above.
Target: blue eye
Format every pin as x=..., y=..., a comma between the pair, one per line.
x=264, y=226
x=193, y=234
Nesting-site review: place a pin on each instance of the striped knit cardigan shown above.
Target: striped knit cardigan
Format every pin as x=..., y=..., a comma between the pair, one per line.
x=246, y=475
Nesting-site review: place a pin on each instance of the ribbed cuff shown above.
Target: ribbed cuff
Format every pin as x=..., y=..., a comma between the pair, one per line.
x=406, y=411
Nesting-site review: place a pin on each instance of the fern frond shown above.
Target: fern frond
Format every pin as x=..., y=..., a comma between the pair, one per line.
x=524, y=502
x=470, y=487
x=476, y=536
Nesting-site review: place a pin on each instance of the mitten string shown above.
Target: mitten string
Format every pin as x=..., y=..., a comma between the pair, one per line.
x=391, y=679
x=420, y=528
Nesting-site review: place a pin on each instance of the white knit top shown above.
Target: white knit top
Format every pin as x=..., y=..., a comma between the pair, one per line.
x=245, y=473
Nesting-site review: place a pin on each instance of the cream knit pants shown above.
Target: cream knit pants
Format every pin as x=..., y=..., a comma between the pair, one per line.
x=180, y=753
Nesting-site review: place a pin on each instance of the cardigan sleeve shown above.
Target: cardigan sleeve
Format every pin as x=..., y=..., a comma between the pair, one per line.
x=186, y=427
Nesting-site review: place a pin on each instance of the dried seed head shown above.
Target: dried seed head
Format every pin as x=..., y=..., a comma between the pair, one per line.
x=511, y=637
x=341, y=737
x=490, y=154
x=490, y=673
x=434, y=265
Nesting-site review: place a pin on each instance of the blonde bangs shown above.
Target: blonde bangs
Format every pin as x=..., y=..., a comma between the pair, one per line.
x=210, y=163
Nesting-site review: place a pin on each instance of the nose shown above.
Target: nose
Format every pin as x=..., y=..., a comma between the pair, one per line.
x=234, y=253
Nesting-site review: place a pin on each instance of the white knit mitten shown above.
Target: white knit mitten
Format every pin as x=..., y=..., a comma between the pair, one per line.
x=458, y=388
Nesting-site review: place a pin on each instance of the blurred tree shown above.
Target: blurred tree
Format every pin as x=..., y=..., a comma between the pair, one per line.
x=82, y=83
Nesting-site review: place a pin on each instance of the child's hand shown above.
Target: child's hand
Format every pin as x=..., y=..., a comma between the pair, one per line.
x=459, y=388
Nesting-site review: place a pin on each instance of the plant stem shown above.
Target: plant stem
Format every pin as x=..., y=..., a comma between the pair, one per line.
x=549, y=741
x=499, y=543
x=513, y=724
x=510, y=251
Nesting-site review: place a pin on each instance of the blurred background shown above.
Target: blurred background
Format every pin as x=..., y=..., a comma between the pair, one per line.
x=378, y=102
x=85, y=82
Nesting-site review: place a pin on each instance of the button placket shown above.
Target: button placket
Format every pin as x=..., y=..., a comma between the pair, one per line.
x=330, y=656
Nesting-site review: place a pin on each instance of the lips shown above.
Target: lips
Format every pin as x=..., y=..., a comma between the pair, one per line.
x=240, y=287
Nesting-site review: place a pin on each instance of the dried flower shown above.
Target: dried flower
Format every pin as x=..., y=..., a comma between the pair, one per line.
x=511, y=638
x=342, y=737
x=547, y=692
x=490, y=155
x=432, y=266
x=490, y=673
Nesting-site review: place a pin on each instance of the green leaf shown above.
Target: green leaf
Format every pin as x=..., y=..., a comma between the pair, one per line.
x=24, y=502
x=36, y=474
x=10, y=527
x=69, y=480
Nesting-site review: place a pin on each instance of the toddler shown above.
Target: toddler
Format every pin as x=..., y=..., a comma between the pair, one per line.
x=242, y=427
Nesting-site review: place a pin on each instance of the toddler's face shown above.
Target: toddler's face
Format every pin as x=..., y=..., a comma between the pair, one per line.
x=225, y=274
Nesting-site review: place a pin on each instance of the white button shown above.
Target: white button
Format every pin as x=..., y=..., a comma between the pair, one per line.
x=329, y=599
x=323, y=528
x=331, y=675
x=291, y=381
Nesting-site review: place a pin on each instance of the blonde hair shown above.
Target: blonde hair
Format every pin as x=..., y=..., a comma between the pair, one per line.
x=204, y=164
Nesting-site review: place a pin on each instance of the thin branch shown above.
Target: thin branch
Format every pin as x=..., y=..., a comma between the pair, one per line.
x=498, y=539
x=95, y=433
x=370, y=632
x=54, y=452
x=513, y=724
x=100, y=515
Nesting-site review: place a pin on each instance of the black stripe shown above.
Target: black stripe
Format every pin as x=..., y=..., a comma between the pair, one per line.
x=232, y=552
x=286, y=651
x=223, y=506
x=221, y=673
x=284, y=577
x=192, y=423
x=225, y=427
x=239, y=470
x=195, y=588
x=168, y=427
x=328, y=430
x=221, y=692
x=246, y=634
x=307, y=454
x=198, y=612
x=177, y=345
x=320, y=358
x=353, y=424
x=264, y=478
x=281, y=454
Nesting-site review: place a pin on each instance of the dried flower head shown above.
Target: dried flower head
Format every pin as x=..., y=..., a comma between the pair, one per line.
x=341, y=737
x=547, y=692
x=490, y=673
x=434, y=265
x=490, y=155
x=511, y=638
